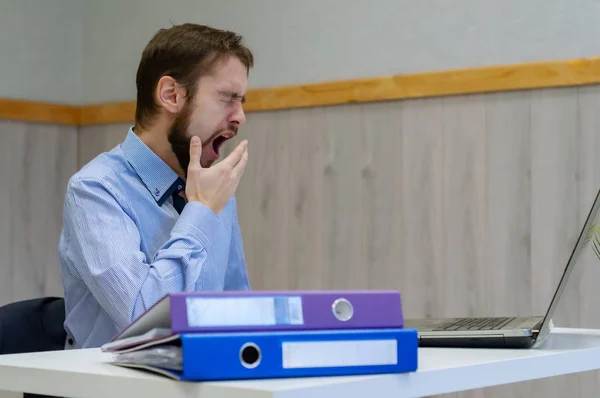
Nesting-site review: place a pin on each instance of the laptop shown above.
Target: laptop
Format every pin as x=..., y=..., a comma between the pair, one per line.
x=501, y=332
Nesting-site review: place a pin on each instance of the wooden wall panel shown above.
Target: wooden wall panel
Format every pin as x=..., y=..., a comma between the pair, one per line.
x=469, y=205
x=420, y=240
x=37, y=161
x=6, y=267
x=95, y=139
x=508, y=199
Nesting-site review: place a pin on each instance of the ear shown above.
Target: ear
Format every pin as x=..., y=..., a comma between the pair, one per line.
x=169, y=94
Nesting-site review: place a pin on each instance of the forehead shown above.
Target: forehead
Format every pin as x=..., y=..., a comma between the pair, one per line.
x=229, y=73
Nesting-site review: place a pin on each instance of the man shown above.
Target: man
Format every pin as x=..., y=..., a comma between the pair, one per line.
x=155, y=215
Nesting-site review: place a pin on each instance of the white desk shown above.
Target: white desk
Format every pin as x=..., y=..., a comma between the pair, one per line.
x=86, y=374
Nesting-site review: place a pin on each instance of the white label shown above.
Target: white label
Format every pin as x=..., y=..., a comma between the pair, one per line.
x=323, y=354
x=243, y=311
x=294, y=311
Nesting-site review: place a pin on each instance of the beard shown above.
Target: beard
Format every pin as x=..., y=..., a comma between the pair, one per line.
x=180, y=139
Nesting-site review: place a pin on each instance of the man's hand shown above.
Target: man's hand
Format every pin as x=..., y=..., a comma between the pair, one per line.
x=214, y=186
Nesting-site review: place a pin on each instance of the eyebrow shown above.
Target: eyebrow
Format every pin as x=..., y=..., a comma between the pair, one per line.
x=233, y=95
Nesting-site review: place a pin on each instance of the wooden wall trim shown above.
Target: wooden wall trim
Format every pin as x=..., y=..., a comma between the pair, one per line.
x=533, y=75
x=431, y=84
x=109, y=113
x=40, y=112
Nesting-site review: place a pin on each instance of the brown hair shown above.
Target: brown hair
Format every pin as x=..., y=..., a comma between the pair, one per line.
x=184, y=52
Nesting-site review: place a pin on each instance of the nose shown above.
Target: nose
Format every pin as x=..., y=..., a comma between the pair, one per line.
x=238, y=116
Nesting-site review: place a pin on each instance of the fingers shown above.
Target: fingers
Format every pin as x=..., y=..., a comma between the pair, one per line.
x=195, y=151
x=238, y=169
x=235, y=156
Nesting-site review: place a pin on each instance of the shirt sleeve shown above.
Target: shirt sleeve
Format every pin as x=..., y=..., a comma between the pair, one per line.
x=104, y=247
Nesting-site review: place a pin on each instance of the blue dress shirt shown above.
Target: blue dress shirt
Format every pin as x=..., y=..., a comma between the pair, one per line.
x=124, y=246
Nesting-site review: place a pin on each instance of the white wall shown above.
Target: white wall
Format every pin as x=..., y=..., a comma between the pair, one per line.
x=40, y=50
x=319, y=40
x=87, y=51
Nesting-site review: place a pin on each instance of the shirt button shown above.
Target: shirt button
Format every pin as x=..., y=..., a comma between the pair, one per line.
x=179, y=187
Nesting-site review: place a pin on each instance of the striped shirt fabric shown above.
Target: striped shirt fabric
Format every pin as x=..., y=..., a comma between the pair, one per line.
x=124, y=245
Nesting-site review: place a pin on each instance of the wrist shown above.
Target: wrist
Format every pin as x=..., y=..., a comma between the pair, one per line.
x=207, y=203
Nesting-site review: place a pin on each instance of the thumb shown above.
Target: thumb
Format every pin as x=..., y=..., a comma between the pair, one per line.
x=195, y=151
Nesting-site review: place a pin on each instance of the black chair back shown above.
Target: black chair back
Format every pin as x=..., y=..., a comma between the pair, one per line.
x=31, y=326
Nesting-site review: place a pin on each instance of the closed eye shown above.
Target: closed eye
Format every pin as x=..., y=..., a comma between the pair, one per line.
x=231, y=96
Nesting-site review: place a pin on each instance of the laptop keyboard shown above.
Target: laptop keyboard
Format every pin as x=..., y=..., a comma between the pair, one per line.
x=476, y=324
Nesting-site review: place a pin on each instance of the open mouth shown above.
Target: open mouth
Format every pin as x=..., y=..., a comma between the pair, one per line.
x=218, y=141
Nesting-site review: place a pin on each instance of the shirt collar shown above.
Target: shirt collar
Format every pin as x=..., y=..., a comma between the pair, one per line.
x=158, y=177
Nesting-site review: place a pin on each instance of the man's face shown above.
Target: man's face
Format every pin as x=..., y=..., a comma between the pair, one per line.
x=214, y=115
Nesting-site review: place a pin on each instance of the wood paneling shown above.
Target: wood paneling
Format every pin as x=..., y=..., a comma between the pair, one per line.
x=558, y=73
x=508, y=203
x=93, y=139
x=37, y=161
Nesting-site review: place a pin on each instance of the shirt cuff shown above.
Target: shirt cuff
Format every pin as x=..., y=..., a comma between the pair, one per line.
x=198, y=220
